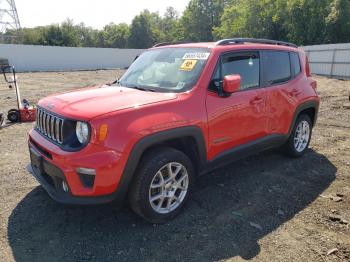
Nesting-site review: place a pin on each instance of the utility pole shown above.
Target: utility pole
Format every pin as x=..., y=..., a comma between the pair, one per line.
x=10, y=27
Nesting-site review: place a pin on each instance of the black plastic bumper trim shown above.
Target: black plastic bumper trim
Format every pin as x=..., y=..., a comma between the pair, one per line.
x=67, y=198
x=51, y=175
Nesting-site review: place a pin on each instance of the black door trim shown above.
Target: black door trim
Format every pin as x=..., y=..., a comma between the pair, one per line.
x=242, y=151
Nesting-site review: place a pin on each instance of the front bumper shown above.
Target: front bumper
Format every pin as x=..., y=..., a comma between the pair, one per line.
x=51, y=166
x=56, y=192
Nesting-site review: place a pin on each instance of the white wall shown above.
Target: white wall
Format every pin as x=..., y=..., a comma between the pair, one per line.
x=50, y=58
x=330, y=60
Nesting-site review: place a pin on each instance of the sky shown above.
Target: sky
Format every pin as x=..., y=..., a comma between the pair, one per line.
x=92, y=13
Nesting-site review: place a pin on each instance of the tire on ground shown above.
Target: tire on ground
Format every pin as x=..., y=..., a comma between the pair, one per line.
x=149, y=165
x=289, y=147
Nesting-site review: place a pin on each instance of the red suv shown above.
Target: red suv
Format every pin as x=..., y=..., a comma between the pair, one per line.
x=180, y=110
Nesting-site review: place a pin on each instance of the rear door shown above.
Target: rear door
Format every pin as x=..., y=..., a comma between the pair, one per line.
x=239, y=118
x=282, y=93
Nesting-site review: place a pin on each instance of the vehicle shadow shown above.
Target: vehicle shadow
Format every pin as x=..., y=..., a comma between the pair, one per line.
x=229, y=211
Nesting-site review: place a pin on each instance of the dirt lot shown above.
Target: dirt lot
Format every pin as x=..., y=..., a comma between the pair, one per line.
x=265, y=208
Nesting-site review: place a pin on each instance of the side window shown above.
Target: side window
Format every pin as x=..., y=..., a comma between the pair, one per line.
x=276, y=67
x=246, y=64
x=294, y=58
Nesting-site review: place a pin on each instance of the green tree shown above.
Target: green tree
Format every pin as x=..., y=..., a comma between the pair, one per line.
x=33, y=36
x=144, y=30
x=305, y=21
x=169, y=25
x=88, y=36
x=53, y=35
x=338, y=22
x=70, y=34
x=116, y=36
x=300, y=21
x=250, y=18
x=199, y=19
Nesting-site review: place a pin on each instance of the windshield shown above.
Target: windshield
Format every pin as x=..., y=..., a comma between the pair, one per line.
x=166, y=69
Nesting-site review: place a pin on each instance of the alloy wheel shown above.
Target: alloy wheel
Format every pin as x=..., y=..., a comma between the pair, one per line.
x=302, y=136
x=168, y=188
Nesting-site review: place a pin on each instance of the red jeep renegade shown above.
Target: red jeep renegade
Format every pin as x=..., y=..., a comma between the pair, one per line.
x=180, y=110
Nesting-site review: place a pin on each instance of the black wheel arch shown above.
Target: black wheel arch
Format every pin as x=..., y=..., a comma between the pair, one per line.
x=161, y=139
x=310, y=108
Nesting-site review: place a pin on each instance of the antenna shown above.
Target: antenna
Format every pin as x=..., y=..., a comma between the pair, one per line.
x=10, y=26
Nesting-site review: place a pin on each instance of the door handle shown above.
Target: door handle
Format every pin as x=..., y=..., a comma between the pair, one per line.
x=256, y=100
x=294, y=92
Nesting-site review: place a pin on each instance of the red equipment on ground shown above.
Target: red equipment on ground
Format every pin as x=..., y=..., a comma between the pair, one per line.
x=24, y=112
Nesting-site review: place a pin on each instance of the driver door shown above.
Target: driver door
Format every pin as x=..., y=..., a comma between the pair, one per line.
x=238, y=118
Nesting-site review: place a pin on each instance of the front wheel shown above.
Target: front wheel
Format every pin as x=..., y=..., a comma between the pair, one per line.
x=300, y=137
x=162, y=185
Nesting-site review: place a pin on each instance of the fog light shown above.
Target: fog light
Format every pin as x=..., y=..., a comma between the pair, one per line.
x=64, y=186
x=86, y=171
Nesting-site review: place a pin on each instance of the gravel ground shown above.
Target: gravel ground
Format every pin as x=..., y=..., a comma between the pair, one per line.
x=264, y=208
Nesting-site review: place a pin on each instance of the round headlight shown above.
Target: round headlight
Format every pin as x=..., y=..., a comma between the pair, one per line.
x=82, y=131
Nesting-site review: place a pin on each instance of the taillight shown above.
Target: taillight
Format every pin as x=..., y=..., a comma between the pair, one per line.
x=307, y=67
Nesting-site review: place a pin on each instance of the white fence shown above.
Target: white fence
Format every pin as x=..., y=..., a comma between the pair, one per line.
x=52, y=58
x=329, y=60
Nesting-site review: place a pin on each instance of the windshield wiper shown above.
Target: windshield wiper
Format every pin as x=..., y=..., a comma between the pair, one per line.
x=142, y=88
x=118, y=83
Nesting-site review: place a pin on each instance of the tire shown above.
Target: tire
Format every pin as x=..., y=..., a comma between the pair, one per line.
x=13, y=116
x=296, y=145
x=153, y=170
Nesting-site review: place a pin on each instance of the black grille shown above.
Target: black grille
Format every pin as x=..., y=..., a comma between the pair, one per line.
x=49, y=125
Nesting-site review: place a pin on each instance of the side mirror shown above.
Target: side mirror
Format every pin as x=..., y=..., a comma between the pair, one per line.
x=232, y=83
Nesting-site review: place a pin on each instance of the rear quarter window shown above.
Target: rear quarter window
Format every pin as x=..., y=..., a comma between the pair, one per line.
x=277, y=67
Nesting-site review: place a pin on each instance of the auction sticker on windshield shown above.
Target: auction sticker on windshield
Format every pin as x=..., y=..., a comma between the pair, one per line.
x=188, y=65
x=197, y=56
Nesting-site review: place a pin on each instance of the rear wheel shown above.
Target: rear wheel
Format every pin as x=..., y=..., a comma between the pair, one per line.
x=300, y=137
x=162, y=185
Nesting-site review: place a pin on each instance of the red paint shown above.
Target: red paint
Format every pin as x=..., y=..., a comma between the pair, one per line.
x=232, y=83
x=133, y=114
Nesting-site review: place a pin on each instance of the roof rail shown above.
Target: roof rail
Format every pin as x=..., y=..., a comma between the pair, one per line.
x=171, y=43
x=253, y=40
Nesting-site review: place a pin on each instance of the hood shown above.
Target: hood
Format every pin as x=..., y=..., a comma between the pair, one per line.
x=87, y=103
